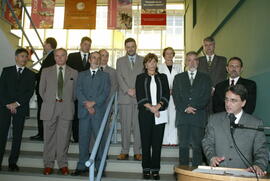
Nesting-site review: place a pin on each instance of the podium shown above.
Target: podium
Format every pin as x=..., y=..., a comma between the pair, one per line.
x=184, y=173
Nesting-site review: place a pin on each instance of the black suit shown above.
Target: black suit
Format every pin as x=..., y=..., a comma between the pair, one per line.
x=220, y=90
x=47, y=62
x=14, y=88
x=191, y=126
x=75, y=61
x=151, y=134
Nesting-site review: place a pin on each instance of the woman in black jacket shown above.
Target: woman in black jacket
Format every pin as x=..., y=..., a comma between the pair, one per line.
x=152, y=92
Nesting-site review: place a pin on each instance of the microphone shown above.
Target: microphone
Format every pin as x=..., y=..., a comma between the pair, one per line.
x=258, y=128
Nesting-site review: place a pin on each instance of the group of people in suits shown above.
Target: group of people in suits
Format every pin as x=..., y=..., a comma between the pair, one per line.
x=73, y=91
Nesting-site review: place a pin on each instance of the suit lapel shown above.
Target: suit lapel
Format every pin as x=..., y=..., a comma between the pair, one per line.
x=226, y=126
x=67, y=75
x=187, y=82
x=54, y=77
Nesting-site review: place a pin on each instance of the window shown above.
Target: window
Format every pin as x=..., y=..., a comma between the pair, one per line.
x=149, y=39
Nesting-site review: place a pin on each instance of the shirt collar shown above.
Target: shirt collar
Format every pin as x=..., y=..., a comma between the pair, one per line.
x=134, y=57
x=17, y=68
x=212, y=57
x=238, y=116
x=63, y=66
x=194, y=72
x=235, y=80
x=91, y=70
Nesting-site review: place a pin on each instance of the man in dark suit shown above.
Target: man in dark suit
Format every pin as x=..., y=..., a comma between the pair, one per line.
x=50, y=45
x=212, y=64
x=79, y=61
x=92, y=90
x=218, y=143
x=234, y=69
x=191, y=93
x=17, y=85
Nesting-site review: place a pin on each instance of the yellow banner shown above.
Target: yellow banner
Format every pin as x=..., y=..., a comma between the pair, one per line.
x=80, y=14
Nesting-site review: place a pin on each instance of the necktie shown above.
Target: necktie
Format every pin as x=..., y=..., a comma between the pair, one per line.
x=93, y=74
x=19, y=72
x=60, y=83
x=101, y=68
x=132, y=62
x=191, y=78
x=84, y=59
x=209, y=62
x=232, y=82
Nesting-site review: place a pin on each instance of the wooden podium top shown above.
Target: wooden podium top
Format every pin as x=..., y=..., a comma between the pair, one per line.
x=184, y=173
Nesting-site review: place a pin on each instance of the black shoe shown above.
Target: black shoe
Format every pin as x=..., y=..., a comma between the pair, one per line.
x=36, y=138
x=13, y=168
x=79, y=173
x=146, y=175
x=156, y=176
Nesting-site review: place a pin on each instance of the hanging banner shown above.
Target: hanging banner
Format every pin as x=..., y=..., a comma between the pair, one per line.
x=80, y=14
x=153, y=12
x=119, y=14
x=17, y=8
x=43, y=13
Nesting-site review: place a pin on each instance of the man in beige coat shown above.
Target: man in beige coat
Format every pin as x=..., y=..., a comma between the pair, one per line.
x=57, y=91
x=128, y=67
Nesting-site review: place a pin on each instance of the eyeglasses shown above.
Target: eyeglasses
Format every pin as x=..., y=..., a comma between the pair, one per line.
x=232, y=100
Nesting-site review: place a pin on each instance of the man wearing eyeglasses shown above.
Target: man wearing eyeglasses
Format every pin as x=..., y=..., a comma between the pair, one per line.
x=218, y=143
x=234, y=69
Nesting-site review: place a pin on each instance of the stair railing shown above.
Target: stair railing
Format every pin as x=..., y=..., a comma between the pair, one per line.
x=4, y=2
x=91, y=161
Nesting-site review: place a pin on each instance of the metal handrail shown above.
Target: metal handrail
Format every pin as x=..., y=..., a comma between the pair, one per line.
x=21, y=28
x=91, y=161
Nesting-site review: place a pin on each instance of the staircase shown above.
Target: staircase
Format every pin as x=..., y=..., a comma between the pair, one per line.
x=31, y=161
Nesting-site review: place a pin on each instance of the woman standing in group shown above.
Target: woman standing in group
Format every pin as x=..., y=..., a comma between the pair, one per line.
x=152, y=92
x=170, y=69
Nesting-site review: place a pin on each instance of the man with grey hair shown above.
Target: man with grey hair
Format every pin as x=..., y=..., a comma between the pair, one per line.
x=191, y=93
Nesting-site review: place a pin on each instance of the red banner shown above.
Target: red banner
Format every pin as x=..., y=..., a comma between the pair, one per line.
x=153, y=19
x=80, y=14
x=153, y=12
x=17, y=8
x=43, y=13
x=120, y=14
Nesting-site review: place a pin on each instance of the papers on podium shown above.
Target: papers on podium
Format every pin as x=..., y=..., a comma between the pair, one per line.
x=224, y=171
x=163, y=117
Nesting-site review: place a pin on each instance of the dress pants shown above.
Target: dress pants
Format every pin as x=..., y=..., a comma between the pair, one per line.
x=39, y=121
x=75, y=124
x=18, y=125
x=151, y=138
x=129, y=123
x=57, y=133
x=88, y=128
x=190, y=136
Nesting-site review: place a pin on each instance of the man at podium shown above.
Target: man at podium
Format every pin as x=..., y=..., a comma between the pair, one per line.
x=218, y=143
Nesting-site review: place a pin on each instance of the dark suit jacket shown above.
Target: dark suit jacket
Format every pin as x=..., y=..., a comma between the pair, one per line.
x=47, y=62
x=217, y=72
x=75, y=61
x=19, y=90
x=220, y=90
x=197, y=96
x=218, y=141
x=143, y=93
x=92, y=89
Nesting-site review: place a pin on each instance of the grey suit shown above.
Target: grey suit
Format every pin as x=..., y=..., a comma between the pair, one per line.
x=57, y=116
x=90, y=89
x=252, y=143
x=128, y=105
x=113, y=78
x=191, y=126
